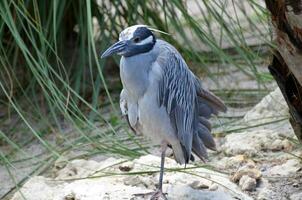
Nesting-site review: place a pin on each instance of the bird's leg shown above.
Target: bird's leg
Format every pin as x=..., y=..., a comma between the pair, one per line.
x=159, y=193
x=162, y=166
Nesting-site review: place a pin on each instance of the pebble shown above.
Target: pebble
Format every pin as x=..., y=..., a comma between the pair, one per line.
x=277, y=145
x=249, y=170
x=197, y=185
x=126, y=166
x=247, y=183
x=287, y=145
x=213, y=187
x=70, y=196
x=132, y=180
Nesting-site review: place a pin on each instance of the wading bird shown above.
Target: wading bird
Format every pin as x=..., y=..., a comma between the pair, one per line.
x=162, y=99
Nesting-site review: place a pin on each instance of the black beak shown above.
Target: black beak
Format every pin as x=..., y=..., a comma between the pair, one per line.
x=118, y=47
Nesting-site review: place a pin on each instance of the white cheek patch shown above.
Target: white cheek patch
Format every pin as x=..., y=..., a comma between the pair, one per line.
x=146, y=40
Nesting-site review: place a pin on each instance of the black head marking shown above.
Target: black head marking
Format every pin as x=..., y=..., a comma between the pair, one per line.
x=142, y=41
x=142, y=33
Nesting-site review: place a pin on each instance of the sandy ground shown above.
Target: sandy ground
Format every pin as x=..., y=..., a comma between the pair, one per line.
x=258, y=163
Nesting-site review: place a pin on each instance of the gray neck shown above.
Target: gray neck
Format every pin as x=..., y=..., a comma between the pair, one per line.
x=134, y=72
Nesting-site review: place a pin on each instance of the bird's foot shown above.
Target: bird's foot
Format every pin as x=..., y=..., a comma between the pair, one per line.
x=157, y=195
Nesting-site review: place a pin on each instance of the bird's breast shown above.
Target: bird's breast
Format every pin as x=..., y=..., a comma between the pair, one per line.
x=134, y=76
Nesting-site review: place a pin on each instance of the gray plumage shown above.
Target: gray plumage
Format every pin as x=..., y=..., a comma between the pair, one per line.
x=161, y=98
x=179, y=92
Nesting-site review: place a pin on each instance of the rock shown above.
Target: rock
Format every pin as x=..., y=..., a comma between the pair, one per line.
x=276, y=145
x=265, y=190
x=126, y=166
x=139, y=181
x=287, y=145
x=273, y=106
x=198, y=185
x=247, y=183
x=264, y=135
x=132, y=180
x=252, y=142
x=265, y=194
x=279, y=144
x=213, y=187
x=70, y=196
x=232, y=162
x=36, y=188
x=77, y=169
x=178, y=185
x=249, y=170
x=186, y=192
x=271, y=113
x=60, y=163
x=288, y=168
x=296, y=196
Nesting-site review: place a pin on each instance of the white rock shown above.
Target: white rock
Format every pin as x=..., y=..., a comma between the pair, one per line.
x=264, y=135
x=287, y=145
x=296, y=196
x=247, y=183
x=77, y=169
x=288, y=168
x=265, y=191
x=247, y=170
x=232, y=162
x=250, y=142
x=265, y=194
x=176, y=184
x=37, y=185
x=272, y=106
x=276, y=145
x=198, y=185
x=186, y=192
x=213, y=187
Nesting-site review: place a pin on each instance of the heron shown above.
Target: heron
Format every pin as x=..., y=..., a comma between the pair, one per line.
x=162, y=99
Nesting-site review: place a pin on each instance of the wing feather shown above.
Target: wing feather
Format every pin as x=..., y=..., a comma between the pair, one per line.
x=124, y=108
x=177, y=94
x=188, y=104
x=207, y=97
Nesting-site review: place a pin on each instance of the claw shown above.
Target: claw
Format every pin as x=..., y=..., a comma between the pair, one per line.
x=157, y=195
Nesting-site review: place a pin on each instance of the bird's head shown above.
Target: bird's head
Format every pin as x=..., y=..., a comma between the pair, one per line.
x=132, y=41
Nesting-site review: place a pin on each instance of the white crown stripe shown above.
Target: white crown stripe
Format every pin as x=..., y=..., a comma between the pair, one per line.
x=127, y=34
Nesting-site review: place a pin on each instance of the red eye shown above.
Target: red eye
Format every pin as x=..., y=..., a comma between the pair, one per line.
x=136, y=40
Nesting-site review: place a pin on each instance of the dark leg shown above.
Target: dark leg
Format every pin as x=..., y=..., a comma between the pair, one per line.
x=162, y=167
x=159, y=193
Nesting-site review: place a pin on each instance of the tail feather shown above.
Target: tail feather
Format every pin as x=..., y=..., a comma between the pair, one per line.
x=206, y=137
x=207, y=104
x=198, y=148
x=204, y=109
x=214, y=101
x=205, y=122
x=209, y=98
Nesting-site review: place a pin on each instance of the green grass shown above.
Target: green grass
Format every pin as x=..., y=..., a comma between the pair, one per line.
x=54, y=87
